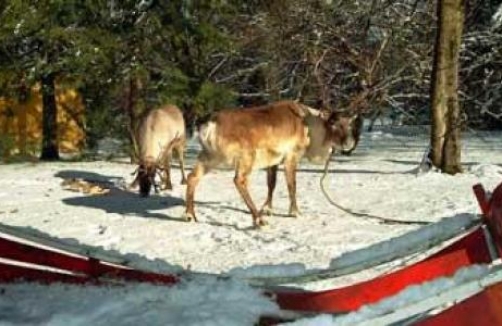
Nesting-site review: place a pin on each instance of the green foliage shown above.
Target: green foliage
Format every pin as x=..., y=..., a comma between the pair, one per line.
x=9, y=152
x=51, y=37
x=127, y=57
x=7, y=145
x=172, y=87
x=213, y=97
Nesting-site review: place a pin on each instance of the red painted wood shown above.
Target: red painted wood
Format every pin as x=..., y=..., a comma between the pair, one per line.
x=471, y=249
x=480, y=193
x=139, y=276
x=495, y=210
x=491, y=207
x=14, y=250
x=10, y=273
x=482, y=309
x=93, y=268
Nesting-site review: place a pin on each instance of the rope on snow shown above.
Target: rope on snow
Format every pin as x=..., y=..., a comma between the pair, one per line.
x=381, y=219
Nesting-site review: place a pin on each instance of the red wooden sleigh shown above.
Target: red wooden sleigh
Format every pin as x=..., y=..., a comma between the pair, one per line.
x=28, y=257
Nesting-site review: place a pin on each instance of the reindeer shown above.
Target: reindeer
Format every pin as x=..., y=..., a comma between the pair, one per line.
x=161, y=133
x=264, y=137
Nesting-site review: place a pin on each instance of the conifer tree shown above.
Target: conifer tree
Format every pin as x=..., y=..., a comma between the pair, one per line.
x=49, y=42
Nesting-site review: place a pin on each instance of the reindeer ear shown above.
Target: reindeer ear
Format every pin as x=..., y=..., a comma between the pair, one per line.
x=299, y=109
x=303, y=110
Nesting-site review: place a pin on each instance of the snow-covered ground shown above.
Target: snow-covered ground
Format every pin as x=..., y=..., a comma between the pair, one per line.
x=379, y=178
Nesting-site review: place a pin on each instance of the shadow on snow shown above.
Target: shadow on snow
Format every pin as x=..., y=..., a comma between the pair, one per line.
x=119, y=200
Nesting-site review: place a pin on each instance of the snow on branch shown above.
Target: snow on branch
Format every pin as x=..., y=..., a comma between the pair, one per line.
x=497, y=17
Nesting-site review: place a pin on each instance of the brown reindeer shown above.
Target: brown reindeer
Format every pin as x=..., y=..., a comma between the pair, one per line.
x=161, y=133
x=264, y=137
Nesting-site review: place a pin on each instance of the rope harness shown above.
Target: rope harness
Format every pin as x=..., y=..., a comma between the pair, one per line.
x=381, y=219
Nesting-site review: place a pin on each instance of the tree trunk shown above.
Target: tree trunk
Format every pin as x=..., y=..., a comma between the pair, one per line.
x=445, y=133
x=22, y=123
x=130, y=107
x=50, y=150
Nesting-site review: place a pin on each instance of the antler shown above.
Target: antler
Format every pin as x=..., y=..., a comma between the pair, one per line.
x=324, y=93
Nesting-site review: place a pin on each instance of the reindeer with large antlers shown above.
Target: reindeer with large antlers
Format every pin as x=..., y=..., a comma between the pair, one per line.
x=161, y=133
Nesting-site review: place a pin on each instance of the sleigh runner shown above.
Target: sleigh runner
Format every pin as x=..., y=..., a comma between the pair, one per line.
x=472, y=243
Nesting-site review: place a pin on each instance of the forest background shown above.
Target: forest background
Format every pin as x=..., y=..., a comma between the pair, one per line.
x=125, y=58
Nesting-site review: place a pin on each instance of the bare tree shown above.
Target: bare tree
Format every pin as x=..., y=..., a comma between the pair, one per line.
x=50, y=148
x=445, y=129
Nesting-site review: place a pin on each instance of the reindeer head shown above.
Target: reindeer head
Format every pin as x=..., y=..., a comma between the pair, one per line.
x=146, y=178
x=343, y=131
x=330, y=130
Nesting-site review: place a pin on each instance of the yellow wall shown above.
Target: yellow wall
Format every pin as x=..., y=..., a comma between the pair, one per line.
x=21, y=123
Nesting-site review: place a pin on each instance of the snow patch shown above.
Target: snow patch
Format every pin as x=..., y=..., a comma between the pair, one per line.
x=284, y=270
x=497, y=17
x=201, y=301
x=152, y=236
x=486, y=171
x=419, y=238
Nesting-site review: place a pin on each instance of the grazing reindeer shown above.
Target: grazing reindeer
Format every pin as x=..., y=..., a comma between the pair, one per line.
x=264, y=137
x=160, y=133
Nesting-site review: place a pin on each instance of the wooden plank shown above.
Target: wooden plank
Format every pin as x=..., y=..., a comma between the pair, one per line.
x=482, y=309
x=26, y=253
x=52, y=243
x=91, y=267
x=11, y=273
x=374, y=255
x=412, y=242
x=471, y=249
x=471, y=312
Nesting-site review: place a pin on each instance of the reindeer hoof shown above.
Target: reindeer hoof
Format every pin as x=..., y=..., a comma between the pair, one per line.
x=184, y=181
x=294, y=213
x=189, y=217
x=260, y=223
x=266, y=210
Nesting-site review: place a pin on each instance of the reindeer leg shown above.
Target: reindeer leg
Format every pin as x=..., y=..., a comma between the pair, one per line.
x=199, y=170
x=180, y=152
x=167, y=174
x=155, y=187
x=134, y=184
x=243, y=170
x=290, y=165
x=271, y=182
